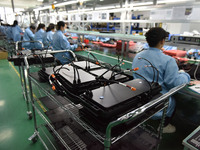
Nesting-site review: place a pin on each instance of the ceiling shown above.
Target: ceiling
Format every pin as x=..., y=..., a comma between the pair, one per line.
x=34, y=3
x=88, y=4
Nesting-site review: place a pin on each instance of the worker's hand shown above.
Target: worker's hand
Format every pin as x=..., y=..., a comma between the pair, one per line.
x=190, y=53
x=162, y=49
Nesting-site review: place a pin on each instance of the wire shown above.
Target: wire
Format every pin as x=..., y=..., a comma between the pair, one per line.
x=195, y=72
x=151, y=65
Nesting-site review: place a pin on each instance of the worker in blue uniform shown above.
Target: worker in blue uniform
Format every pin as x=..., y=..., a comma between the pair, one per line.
x=169, y=75
x=29, y=36
x=16, y=30
x=39, y=36
x=193, y=53
x=8, y=31
x=60, y=42
x=48, y=36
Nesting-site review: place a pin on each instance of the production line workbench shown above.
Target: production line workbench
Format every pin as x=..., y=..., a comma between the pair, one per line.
x=66, y=108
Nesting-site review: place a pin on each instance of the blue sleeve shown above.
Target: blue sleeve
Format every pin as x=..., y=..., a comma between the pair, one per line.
x=19, y=29
x=66, y=45
x=172, y=77
x=30, y=34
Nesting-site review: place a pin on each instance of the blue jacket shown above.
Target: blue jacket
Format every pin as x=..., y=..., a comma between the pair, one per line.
x=169, y=76
x=60, y=42
x=28, y=36
x=48, y=39
x=38, y=37
x=2, y=30
x=16, y=33
x=8, y=32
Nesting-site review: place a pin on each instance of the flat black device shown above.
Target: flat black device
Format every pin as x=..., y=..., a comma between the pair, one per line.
x=114, y=100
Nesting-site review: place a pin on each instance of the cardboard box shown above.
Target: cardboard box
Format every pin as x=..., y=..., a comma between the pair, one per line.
x=3, y=55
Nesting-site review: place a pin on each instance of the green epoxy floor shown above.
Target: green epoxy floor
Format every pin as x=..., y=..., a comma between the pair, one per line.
x=15, y=128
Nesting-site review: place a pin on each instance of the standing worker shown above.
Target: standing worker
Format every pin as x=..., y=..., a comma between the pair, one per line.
x=16, y=30
x=39, y=36
x=29, y=36
x=60, y=42
x=48, y=36
x=169, y=75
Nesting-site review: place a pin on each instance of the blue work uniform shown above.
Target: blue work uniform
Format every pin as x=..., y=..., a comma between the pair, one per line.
x=195, y=53
x=60, y=42
x=39, y=37
x=16, y=33
x=2, y=30
x=28, y=36
x=169, y=77
x=48, y=39
x=8, y=32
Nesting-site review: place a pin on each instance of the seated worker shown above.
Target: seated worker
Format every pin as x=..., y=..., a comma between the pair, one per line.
x=48, y=36
x=8, y=32
x=169, y=75
x=193, y=53
x=60, y=42
x=16, y=30
x=39, y=36
x=29, y=36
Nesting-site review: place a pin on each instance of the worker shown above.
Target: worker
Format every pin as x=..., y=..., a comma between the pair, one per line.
x=28, y=36
x=39, y=36
x=8, y=32
x=48, y=36
x=16, y=30
x=60, y=42
x=169, y=75
x=193, y=53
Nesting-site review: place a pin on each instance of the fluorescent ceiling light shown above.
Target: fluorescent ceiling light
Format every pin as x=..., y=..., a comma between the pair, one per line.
x=141, y=4
x=40, y=0
x=172, y=1
x=66, y=3
x=55, y=2
x=107, y=7
x=42, y=8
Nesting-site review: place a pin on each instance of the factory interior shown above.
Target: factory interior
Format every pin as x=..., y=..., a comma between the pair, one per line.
x=99, y=75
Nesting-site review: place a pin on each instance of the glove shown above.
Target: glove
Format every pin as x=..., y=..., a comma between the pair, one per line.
x=181, y=71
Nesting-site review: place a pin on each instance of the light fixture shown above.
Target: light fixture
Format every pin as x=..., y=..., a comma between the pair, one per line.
x=40, y=0
x=55, y=2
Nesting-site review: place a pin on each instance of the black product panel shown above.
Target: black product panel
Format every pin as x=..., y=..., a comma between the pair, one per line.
x=115, y=100
x=41, y=59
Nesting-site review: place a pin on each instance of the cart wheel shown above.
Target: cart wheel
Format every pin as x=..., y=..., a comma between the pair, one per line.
x=30, y=116
x=34, y=140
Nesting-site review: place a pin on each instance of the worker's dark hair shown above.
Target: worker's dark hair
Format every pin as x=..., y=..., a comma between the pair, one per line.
x=15, y=23
x=40, y=26
x=155, y=35
x=32, y=26
x=50, y=27
x=60, y=24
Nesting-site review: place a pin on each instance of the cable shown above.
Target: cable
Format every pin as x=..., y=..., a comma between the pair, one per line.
x=87, y=62
x=195, y=72
x=120, y=83
x=108, y=70
x=154, y=68
x=75, y=69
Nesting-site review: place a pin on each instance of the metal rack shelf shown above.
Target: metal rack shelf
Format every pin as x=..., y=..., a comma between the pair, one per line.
x=105, y=139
